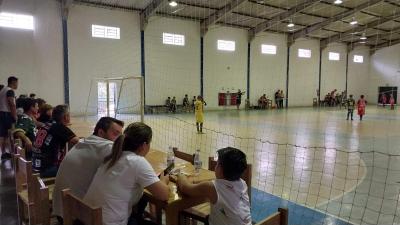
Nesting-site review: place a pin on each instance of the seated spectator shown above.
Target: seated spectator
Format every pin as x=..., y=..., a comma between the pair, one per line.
x=173, y=104
x=32, y=95
x=263, y=101
x=25, y=128
x=49, y=147
x=168, y=103
x=119, y=182
x=40, y=102
x=186, y=104
x=193, y=101
x=228, y=195
x=45, y=113
x=19, y=103
x=84, y=159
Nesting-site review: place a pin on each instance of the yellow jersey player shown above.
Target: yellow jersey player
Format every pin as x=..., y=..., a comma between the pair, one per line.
x=199, y=113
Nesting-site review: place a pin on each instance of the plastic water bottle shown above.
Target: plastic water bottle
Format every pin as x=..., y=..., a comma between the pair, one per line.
x=170, y=156
x=197, y=162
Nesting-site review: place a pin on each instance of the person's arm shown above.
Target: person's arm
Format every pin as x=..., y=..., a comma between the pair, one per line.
x=204, y=189
x=160, y=189
x=11, y=104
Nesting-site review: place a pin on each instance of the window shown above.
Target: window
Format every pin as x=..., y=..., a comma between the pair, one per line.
x=226, y=45
x=358, y=59
x=334, y=56
x=105, y=32
x=304, y=53
x=268, y=49
x=173, y=39
x=16, y=21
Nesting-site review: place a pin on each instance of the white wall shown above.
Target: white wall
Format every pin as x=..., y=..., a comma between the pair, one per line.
x=35, y=57
x=98, y=57
x=223, y=69
x=333, y=73
x=267, y=72
x=384, y=71
x=358, y=74
x=303, y=73
x=171, y=70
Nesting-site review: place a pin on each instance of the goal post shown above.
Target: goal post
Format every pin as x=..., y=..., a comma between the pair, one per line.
x=118, y=97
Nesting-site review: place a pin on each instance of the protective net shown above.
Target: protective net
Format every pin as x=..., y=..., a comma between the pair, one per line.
x=322, y=174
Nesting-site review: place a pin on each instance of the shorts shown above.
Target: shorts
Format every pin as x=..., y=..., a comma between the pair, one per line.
x=238, y=101
x=199, y=117
x=6, y=122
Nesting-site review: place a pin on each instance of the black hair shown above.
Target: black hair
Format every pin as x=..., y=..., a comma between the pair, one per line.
x=362, y=96
x=104, y=123
x=28, y=103
x=11, y=80
x=59, y=112
x=233, y=163
x=135, y=135
x=32, y=95
x=41, y=102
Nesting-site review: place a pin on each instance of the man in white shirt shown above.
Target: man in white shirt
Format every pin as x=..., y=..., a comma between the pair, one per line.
x=81, y=162
x=8, y=113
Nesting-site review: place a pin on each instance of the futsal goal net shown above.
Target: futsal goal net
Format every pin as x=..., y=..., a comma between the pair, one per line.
x=118, y=97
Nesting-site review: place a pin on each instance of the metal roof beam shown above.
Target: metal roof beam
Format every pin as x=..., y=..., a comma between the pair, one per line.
x=372, y=24
x=387, y=44
x=148, y=12
x=281, y=16
x=216, y=16
x=307, y=30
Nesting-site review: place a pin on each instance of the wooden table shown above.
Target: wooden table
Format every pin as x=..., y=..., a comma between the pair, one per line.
x=176, y=201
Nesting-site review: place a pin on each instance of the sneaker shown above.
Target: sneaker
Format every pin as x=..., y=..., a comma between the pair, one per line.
x=6, y=155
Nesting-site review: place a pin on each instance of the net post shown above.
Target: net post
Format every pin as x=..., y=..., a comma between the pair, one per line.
x=119, y=97
x=142, y=100
x=108, y=97
x=88, y=99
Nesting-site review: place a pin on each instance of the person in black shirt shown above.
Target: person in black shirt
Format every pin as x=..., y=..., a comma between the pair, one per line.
x=239, y=98
x=51, y=139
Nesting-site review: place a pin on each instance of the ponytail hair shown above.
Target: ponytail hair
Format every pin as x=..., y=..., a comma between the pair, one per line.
x=135, y=135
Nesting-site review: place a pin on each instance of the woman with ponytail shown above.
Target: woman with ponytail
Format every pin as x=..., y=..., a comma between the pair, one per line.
x=118, y=184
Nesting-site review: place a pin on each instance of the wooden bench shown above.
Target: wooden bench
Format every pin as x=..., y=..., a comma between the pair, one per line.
x=201, y=212
x=278, y=218
x=77, y=211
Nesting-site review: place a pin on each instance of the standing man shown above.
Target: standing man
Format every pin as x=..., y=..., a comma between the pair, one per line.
x=199, y=113
x=8, y=113
x=350, y=107
x=239, y=98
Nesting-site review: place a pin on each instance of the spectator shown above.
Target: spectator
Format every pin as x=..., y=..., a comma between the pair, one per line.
x=49, y=146
x=8, y=113
x=25, y=128
x=228, y=193
x=168, y=104
x=84, y=159
x=45, y=113
x=186, y=104
x=173, y=104
x=32, y=95
x=239, y=98
x=119, y=182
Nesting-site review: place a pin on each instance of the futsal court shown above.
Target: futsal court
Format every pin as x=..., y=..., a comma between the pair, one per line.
x=325, y=169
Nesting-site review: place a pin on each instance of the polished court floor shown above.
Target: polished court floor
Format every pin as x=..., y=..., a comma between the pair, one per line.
x=311, y=157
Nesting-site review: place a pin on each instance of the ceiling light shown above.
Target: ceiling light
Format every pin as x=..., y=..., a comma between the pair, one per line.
x=362, y=42
x=291, y=24
x=363, y=37
x=337, y=2
x=353, y=22
x=173, y=3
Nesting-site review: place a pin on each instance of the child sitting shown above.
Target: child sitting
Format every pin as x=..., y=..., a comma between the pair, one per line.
x=227, y=194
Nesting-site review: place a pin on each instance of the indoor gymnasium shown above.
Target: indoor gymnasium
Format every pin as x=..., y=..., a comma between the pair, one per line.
x=266, y=112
